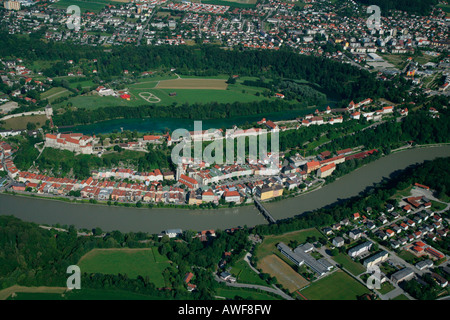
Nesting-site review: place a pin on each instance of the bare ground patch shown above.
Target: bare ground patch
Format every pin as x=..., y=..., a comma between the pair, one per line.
x=215, y=84
x=285, y=275
x=6, y=293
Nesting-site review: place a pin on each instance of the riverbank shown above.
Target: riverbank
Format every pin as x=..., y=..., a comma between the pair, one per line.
x=157, y=219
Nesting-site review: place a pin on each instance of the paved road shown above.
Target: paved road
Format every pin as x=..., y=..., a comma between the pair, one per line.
x=274, y=290
x=141, y=32
x=246, y=259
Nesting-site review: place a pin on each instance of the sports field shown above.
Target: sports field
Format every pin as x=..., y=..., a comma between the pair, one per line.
x=289, y=278
x=210, y=84
x=336, y=286
x=133, y=262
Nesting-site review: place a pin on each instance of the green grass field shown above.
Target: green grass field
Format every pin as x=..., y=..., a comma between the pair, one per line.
x=20, y=123
x=85, y=6
x=437, y=206
x=244, y=274
x=55, y=93
x=350, y=265
x=82, y=83
x=235, y=93
x=85, y=294
x=445, y=8
x=247, y=294
x=386, y=288
x=408, y=257
x=336, y=286
x=401, y=297
x=133, y=262
x=231, y=3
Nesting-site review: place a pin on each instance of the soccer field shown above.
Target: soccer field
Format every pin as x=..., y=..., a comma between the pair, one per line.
x=133, y=262
x=337, y=286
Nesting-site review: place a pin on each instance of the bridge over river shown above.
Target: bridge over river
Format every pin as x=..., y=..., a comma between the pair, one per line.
x=264, y=211
x=155, y=220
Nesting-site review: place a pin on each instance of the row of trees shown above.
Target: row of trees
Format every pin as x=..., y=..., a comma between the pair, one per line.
x=421, y=7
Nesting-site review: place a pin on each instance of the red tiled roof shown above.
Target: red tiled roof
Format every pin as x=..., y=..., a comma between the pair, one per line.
x=151, y=137
x=327, y=167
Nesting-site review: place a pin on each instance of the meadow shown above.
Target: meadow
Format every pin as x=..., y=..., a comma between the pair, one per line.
x=84, y=5
x=20, y=123
x=55, y=93
x=244, y=274
x=351, y=266
x=169, y=91
x=133, y=262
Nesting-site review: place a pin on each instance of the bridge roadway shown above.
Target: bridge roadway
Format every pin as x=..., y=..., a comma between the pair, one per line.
x=264, y=211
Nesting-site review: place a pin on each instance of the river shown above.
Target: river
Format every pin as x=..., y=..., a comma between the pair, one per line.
x=160, y=125
x=157, y=219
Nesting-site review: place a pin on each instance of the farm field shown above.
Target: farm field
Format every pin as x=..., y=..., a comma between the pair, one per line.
x=55, y=93
x=133, y=262
x=268, y=246
x=5, y=293
x=247, y=294
x=350, y=265
x=285, y=275
x=212, y=84
x=336, y=286
x=19, y=123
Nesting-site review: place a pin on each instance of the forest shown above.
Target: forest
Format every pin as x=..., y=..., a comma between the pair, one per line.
x=185, y=111
x=64, y=163
x=340, y=79
x=421, y=7
x=32, y=256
